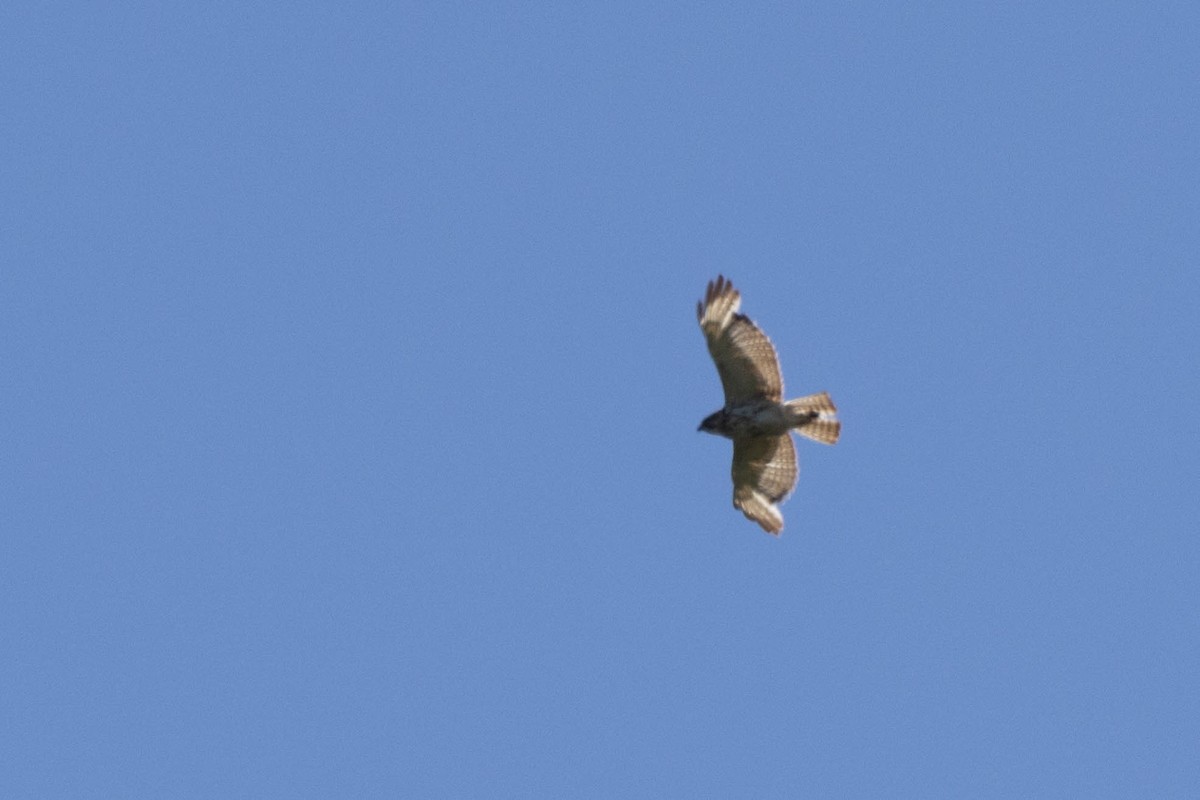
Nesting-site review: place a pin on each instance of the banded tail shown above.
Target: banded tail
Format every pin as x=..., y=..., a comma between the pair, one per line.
x=815, y=417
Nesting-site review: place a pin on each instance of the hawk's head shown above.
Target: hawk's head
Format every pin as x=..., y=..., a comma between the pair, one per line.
x=713, y=423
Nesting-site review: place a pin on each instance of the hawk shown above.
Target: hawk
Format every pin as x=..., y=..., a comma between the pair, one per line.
x=755, y=416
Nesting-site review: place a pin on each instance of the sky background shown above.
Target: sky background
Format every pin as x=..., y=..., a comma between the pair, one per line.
x=351, y=380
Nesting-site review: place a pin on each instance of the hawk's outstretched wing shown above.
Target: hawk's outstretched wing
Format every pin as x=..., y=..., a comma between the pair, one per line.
x=764, y=473
x=743, y=354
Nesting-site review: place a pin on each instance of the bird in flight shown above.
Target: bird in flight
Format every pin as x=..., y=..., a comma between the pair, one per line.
x=755, y=415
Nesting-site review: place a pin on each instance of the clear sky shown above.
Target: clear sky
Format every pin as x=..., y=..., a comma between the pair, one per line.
x=351, y=380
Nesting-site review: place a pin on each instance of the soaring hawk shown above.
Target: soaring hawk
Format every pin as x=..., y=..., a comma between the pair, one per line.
x=755, y=415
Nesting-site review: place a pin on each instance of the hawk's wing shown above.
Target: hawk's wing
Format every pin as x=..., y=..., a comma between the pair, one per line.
x=764, y=473
x=744, y=355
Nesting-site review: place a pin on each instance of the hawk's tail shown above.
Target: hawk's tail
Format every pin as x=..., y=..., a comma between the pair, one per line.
x=815, y=417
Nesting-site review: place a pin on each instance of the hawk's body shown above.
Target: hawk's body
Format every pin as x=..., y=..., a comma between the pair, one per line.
x=755, y=415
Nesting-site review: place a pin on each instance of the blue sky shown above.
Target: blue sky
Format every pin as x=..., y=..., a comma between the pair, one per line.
x=352, y=379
